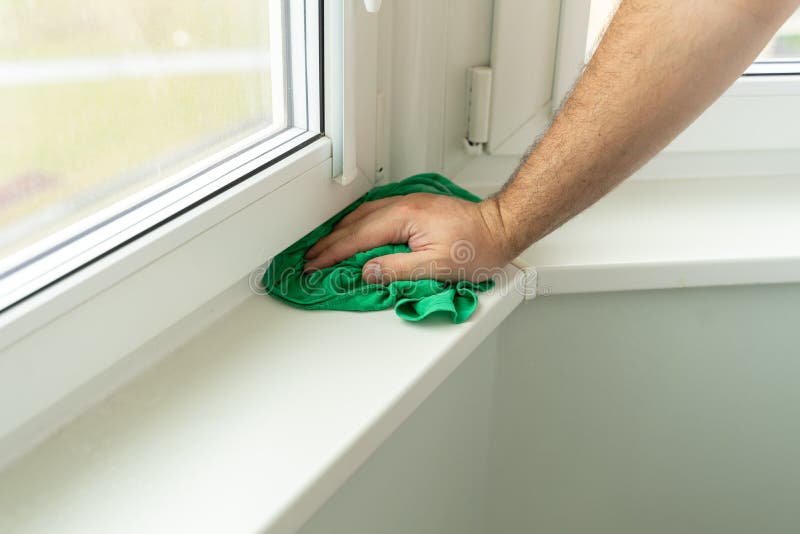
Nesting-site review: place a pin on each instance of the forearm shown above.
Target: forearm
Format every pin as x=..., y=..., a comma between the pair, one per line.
x=658, y=67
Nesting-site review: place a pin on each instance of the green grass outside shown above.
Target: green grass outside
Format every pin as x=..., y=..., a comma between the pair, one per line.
x=788, y=46
x=67, y=28
x=86, y=134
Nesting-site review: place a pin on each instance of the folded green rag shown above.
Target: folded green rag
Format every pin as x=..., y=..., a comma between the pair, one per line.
x=340, y=287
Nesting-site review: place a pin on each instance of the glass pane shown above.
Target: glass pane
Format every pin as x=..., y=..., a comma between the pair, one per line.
x=102, y=98
x=786, y=43
x=600, y=13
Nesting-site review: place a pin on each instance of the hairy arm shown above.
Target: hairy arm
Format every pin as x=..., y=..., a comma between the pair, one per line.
x=659, y=65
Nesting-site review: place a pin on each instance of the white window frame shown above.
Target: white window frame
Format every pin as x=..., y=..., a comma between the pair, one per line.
x=749, y=131
x=522, y=98
x=74, y=331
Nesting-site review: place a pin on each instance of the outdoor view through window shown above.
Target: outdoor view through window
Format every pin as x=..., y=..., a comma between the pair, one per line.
x=784, y=46
x=786, y=43
x=101, y=99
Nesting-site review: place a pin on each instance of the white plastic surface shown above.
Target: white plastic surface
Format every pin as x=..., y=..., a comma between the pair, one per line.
x=151, y=284
x=524, y=39
x=480, y=95
x=651, y=234
x=663, y=234
x=248, y=428
x=373, y=6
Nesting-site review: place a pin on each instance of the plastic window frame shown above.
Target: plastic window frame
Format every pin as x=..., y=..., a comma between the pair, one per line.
x=73, y=333
x=298, y=121
x=748, y=131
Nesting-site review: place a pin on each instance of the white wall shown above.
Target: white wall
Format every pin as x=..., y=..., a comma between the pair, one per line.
x=655, y=411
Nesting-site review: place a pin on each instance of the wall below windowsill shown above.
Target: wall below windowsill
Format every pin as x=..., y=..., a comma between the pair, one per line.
x=248, y=427
x=651, y=234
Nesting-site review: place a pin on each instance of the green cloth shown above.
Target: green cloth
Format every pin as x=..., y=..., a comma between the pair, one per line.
x=340, y=287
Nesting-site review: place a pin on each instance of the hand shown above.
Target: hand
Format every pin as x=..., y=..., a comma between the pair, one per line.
x=450, y=239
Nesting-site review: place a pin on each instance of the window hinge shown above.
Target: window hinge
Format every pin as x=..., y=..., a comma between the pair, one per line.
x=373, y=6
x=479, y=93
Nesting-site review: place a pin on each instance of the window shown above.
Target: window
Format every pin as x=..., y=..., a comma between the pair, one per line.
x=167, y=149
x=746, y=132
x=600, y=13
x=120, y=115
x=782, y=54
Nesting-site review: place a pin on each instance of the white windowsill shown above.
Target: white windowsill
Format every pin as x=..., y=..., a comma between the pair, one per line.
x=256, y=421
x=249, y=427
x=652, y=234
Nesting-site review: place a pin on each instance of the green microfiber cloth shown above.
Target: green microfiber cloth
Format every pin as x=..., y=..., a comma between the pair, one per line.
x=340, y=287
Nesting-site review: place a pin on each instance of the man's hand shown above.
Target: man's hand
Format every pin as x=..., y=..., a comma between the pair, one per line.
x=450, y=239
x=658, y=67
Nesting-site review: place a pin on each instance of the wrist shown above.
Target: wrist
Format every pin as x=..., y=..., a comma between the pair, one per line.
x=500, y=229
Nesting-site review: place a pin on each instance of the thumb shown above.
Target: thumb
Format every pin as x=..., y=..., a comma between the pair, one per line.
x=402, y=266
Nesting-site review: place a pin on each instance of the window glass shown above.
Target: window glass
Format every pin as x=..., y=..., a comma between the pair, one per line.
x=784, y=46
x=103, y=98
x=786, y=43
x=600, y=13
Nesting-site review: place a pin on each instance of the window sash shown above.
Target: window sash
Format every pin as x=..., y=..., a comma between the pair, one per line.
x=756, y=114
x=297, y=65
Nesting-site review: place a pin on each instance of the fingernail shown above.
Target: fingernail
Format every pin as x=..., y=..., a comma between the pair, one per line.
x=372, y=273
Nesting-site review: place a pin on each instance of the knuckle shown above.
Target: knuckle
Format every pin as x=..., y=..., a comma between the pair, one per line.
x=358, y=211
x=406, y=208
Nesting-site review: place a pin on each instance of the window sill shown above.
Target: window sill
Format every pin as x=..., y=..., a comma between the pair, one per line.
x=652, y=234
x=56, y=346
x=248, y=427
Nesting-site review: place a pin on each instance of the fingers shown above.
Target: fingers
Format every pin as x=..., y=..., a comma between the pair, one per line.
x=342, y=227
x=381, y=227
x=365, y=209
x=403, y=266
x=325, y=242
